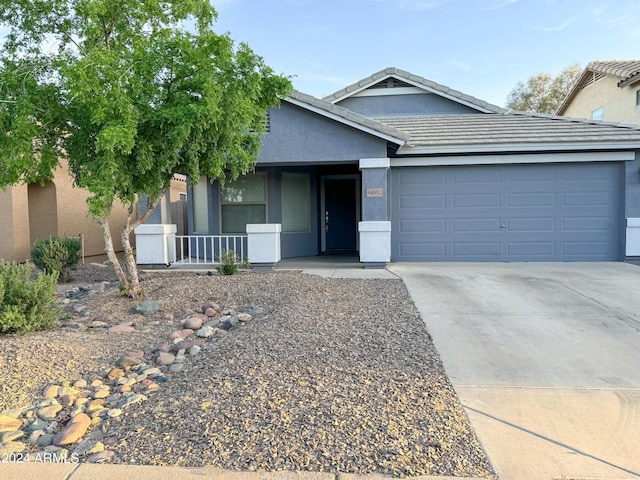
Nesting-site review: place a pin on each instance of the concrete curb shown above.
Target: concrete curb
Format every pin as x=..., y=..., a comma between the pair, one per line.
x=88, y=471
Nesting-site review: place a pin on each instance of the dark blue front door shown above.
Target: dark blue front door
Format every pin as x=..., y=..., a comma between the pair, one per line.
x=340, y=220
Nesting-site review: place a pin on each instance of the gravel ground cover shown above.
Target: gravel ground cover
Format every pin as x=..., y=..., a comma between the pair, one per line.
x=337, y=375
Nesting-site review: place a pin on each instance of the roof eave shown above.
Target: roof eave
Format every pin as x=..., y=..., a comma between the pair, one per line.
x=408, y=149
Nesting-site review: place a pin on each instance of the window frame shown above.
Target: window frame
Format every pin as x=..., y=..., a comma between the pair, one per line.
x=223, y=204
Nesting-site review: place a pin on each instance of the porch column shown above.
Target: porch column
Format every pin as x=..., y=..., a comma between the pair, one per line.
x=375, y=227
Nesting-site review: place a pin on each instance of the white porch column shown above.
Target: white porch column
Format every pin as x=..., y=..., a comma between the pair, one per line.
x=633, y=237
x=263, y=244
x=375, y=243
x=155, y=244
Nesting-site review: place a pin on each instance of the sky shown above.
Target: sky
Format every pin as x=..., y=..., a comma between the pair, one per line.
x=480, y=47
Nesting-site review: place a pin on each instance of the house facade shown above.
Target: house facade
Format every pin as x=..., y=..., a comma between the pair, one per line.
x=36, y=211
x=399, y=168
x=608, y=91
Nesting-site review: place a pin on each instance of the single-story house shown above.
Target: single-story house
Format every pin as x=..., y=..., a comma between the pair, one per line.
x=400, y=168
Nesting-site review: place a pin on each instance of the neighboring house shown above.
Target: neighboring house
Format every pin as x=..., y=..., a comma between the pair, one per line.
x=33, y=212
x=401, y=168
x=608, y=91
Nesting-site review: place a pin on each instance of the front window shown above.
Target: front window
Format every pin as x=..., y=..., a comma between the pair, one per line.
x=200, y=205
x=296, y=197
x=597, y=114
x=243, y=201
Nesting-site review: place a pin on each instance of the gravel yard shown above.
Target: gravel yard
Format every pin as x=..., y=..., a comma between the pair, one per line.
x=337, y=375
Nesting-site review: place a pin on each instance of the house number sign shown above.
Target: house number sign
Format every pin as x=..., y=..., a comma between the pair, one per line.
x=375, y=192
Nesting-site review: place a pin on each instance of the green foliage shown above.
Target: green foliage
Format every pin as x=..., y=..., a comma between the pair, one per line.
x=131, y=95
x=543, y=93
x=55, y=254
x=228, y=263
x=26, y=305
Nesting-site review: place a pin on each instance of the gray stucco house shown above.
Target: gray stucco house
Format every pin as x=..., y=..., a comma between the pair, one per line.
x=401, y=168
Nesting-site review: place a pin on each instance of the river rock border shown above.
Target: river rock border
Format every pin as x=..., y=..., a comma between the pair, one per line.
x=71, y=418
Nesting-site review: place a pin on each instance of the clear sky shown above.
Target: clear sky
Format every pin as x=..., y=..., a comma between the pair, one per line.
x=480, y=47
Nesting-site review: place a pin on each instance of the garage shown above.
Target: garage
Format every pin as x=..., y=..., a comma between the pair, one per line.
x=513, y=213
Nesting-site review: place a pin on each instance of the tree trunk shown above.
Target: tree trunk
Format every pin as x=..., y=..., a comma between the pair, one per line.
x=130, y=280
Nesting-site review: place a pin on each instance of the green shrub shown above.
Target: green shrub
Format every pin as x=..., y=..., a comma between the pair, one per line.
x=26, y=305
x=55, y=254
x=228, y=263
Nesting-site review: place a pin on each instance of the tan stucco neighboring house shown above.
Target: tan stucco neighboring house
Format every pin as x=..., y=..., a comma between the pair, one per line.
x=32, y=212
x=606, y=90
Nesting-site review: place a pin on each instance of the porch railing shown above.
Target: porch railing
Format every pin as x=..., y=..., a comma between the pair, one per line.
x=206, y=249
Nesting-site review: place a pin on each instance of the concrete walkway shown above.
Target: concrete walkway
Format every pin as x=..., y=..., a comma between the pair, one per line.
x=545, y=358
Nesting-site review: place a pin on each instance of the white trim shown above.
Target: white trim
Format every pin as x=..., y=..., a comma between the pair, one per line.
x=374, y=163
x=509, y=159
x=338, y=118
x=383, y=92
x=516, y=147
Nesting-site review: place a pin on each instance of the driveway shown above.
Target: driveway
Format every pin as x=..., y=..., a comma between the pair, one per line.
x=544, y=357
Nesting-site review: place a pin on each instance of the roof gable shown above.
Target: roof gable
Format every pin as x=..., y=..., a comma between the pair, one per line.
x=628, y=71
x=347, y=117
x=399, y=79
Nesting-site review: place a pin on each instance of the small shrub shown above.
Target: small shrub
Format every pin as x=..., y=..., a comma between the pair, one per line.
x=228, y=263
x=56, y=255
x=26, y=305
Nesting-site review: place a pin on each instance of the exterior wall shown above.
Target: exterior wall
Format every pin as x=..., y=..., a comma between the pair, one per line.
x=632, y=188
x=300, y=136
x=14, y=236
x=619, y=104
x=416, y=104
x=59, y=208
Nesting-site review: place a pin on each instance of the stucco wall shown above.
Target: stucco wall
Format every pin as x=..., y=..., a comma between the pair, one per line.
x=619, y=104
x=415, y=104
x=58, y=208
x=14, y=234
x=300, y=136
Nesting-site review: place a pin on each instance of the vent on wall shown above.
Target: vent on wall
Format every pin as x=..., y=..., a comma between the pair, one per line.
x=391, y=83
x=267, y=122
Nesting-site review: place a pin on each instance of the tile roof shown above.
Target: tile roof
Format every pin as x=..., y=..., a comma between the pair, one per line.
x=627, y=70
x=347, y=116
x=416, y=80
x=510, y=131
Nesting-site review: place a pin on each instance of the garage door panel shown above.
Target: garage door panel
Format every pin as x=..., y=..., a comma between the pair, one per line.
x=475, y=225
x=550, y=212
x=436, y=225
x=424, y=250
x=476, y=200
x=474, y=249
x=523, y=224
x=423, y=201
x=534, y=199
x=525, y=250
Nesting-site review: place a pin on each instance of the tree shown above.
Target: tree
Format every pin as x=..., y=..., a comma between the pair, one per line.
x=543, y=93
x=129, y=92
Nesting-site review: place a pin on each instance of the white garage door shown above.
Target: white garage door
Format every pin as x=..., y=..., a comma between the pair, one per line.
x=543, y=212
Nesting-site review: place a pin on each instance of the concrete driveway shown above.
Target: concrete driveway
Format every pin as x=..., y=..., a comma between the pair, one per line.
x=544, y=357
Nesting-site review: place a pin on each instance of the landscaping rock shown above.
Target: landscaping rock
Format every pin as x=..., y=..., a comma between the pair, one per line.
x=45, y=440
x=205, y=332
x=74, y=430
x=165, y=358
x=51, y=391
x=8, y=424
x=210, y=312
x=187, y=332
x=49, y=413
x=255, y=311
x=243, y=317
x=148, y=307
x=194, y=323
x=88, y=447
x=12, y=447
x=100, y=457
x=11, y=435
x=129, y=361
x=194, y=350
x=131, y=400
x=121, y=328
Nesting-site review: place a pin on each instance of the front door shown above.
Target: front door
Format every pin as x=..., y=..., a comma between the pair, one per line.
x=340, y=213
